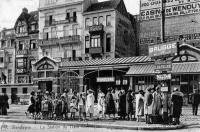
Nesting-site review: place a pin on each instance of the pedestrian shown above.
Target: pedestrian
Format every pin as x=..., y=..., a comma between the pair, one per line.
x=177, y=103
x=101, y=106
x=90, y=103
x=73, y=107
x=84, y=106
x=5, y=105
x=140, y=105
x=122, y=105
x=129, y=104
x=195, y=102
x=45, y=109
x=67, y=102
x=117, y=91
x=81, y=106
x=157, y=102
x=63, y=110
x=110, y=104
x=1, y=102
x=32, y=105
x=148, y=104
x=100, y=94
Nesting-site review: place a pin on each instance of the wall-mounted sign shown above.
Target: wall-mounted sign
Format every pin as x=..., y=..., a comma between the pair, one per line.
x=150, y=9
x=164, y=89
x=163, y=49
x=161, y=77
x=161, y=65
x=105, y=79
x=96, y=28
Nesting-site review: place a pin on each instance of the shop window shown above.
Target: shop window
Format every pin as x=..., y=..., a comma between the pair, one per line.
x=108, y=20
x=101, y=20
x=25, y=90
x=96, y=41
x=108, y=42
x=4, y=90
x=87, y=44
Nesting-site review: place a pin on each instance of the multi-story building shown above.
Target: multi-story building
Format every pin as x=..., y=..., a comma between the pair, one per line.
x=182, y=21
x=108, y=30
x=61, y=26
x=7, y=60
x=26, y=30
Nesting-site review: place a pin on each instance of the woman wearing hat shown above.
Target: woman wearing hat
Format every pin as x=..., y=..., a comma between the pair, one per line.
x=148, y=104
x=140, y=105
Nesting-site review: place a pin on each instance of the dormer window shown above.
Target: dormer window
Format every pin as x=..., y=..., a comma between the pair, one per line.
x=22, y=28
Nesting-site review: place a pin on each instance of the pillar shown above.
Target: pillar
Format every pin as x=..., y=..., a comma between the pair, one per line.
x=81, y=83
x=131, y=83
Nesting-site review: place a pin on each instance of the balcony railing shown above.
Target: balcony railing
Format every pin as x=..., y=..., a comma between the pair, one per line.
x=62, y=40
x=66, y=21
x=96, y=50
x=22, y=52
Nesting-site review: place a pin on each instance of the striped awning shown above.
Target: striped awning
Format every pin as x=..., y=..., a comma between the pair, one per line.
x=177, y=68
x=108, y=61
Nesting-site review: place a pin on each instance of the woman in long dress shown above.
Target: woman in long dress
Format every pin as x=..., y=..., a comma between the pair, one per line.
x=110, y=104
x=139, y=105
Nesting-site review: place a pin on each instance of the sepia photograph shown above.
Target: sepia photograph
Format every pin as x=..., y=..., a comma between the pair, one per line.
x=99, y=65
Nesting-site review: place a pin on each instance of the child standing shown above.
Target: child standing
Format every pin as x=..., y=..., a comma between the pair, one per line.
x=81, y=106
x=73, y=107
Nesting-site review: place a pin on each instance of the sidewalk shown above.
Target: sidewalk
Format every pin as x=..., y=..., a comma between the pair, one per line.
x=16, y=114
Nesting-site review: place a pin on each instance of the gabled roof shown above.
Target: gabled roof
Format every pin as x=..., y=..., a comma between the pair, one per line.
x=46, y=58
x=111, y=4
x=34, y=15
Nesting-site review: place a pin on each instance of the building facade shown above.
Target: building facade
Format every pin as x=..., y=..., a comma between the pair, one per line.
x=182, y=22
x=108, y=31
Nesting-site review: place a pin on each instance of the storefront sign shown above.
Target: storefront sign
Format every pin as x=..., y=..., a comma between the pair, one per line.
x=151, y=10
x=96, y=28
x=105, y=79
x=164, y=89
x=161, y=77
x=163, y=66
x=162, y=49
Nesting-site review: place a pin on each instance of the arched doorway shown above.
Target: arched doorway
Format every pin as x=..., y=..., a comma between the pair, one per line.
x=69, y=80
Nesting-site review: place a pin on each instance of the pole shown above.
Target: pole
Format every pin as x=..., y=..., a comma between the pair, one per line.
x=163, y=20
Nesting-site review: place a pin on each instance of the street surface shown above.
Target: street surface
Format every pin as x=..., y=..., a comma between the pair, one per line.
x=18, y=112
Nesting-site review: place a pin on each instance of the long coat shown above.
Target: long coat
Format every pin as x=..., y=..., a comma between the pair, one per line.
x=122, y=105
x=139, y=105
x=177, y=103
x=5, y=104
x=148, y=107
x=129, y=103
x=110, y=104
x=157, y=103
x=90, y=103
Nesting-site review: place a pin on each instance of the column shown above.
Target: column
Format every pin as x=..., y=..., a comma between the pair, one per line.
x=81, y=75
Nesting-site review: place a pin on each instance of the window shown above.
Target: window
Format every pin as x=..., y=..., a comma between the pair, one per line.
x=46, y=34
x=21, y=45
x=21, y=63
x=33, y=27
x=87, y=44
x=67, y=16
x=53, y=32
x=4, y=90
x=96, y=41
x=21, y=27
x=95, y=21
x=25, y=90
x=22, y=79
x=48, y=20
x=75, y=29
x=1, y=59
x=74, y=17
x=33, y=44
x=108, y=42
x=10, y=59
x=41, y=74
x=74, y=54
x=45, y=67
x=49, y=74
x=9, y=76
x=108, y=20
x=87, y=22
x=101, y=20
x=66, y=31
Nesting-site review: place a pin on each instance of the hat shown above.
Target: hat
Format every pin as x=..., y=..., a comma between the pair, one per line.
x=175, y=89
x=90, y=90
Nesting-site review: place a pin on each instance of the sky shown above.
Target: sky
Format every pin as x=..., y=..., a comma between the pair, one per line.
x=11, y=9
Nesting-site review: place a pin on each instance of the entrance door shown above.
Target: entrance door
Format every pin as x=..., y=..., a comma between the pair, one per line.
x=45, y=86
x=14, y=98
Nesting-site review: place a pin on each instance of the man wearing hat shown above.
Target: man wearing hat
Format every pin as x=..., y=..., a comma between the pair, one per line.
x=148, y=101
x=195, y=102
x=90, y=103
x=177, y=103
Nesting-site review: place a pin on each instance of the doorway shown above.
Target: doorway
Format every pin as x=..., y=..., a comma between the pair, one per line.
x=45, y=86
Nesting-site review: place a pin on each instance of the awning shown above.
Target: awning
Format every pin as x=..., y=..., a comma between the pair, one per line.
x=177, y=68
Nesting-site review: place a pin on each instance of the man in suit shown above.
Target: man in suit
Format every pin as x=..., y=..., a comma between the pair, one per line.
x=195, y=102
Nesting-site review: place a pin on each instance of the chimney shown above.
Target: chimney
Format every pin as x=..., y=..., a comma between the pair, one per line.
x=25, y=10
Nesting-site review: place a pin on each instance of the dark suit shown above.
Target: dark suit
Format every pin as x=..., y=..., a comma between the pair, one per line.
x=195, y=103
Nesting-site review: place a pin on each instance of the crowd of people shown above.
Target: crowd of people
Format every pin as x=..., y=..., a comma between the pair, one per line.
x=126, y=105
x=4, y=105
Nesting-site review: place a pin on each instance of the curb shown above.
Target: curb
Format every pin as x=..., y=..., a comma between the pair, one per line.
x=93, y=125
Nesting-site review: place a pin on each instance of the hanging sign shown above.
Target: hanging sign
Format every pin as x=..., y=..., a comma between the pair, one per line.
x=162, y=77
x=105, y=79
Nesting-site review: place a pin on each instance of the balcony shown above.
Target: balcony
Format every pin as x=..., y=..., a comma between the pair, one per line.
x=63, y=40
x=66, y=21
x=96, y=50
x=22, y=53
x=96, y=29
